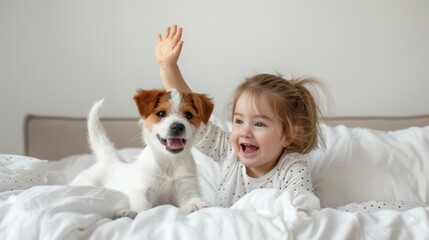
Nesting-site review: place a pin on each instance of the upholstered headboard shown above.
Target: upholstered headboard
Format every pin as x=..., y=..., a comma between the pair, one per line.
x=53, y=138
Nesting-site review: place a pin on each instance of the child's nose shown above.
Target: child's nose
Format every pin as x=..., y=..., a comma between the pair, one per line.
x=246, y=133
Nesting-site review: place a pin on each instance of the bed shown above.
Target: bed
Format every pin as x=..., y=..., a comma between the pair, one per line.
x=377, y=159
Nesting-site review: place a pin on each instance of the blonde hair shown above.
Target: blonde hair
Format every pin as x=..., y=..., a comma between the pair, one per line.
x=292, y=103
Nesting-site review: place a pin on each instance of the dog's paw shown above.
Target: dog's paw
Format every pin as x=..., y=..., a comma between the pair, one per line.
x=126, y=213
x=194, y=204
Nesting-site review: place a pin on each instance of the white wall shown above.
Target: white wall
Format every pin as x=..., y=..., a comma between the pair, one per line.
x=57, y=57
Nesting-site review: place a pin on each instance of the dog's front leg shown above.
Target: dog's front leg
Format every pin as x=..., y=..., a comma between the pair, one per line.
x=138, y=203
x=126, y=213
x=188, y=195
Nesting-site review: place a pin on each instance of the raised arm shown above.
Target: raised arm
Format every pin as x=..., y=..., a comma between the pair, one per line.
x=167, y=53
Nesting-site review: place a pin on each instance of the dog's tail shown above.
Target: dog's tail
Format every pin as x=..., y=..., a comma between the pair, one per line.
x=101, y=146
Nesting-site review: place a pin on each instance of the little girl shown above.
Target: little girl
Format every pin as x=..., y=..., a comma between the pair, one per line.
x=275, y=121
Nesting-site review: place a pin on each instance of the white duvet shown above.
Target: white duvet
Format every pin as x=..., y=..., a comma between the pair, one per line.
x=356, y=165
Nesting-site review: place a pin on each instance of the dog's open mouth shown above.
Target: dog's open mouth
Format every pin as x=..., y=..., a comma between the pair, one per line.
x=174, y=145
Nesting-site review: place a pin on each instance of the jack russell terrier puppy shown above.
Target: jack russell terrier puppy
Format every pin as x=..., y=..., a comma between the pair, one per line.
x=165, y=171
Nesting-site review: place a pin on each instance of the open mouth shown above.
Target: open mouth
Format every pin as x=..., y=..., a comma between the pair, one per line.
x=248, y=148
x=174, y=145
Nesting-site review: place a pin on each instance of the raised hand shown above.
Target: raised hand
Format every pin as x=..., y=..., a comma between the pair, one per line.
x=167, y=53
x=169, y=47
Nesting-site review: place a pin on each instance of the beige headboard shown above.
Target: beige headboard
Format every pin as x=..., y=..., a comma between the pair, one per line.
x=53, y=138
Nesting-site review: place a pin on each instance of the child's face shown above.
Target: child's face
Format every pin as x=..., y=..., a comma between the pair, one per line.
x=256, y=135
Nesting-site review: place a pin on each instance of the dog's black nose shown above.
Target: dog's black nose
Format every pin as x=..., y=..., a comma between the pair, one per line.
x=177, y=128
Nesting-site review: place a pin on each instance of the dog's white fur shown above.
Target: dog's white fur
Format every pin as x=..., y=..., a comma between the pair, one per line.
x=158, y=176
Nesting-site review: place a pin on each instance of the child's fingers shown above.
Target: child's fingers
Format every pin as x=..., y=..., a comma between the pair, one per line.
x=178, y=47
x=167, y=32
x=173, y=31
x=178, y=35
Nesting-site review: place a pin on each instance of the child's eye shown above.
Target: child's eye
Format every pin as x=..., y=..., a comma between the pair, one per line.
x=238, y=121
x=260, y=125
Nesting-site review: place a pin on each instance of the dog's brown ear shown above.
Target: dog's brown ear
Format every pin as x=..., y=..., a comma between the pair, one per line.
x=146, y=101
x=203, y=105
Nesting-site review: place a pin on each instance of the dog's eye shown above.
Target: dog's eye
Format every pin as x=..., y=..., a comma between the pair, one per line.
x=188, y=115
x=161, y=114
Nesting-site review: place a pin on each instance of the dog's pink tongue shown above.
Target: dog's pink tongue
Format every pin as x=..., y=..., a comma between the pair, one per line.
x=174, y=143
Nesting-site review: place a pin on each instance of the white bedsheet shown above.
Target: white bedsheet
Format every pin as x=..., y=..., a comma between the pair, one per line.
x=65, y=212
x=352, y=160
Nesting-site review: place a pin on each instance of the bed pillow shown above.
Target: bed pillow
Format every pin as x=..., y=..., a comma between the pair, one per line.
x=360, y=164
x=21, y=172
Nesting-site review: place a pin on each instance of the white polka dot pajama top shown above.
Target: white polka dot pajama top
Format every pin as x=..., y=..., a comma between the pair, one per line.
x=291, y=171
